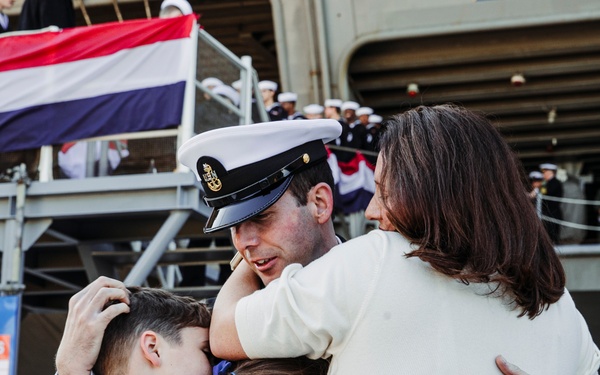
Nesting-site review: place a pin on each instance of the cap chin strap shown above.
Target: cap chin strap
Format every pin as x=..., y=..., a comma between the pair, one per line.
x=259, y=186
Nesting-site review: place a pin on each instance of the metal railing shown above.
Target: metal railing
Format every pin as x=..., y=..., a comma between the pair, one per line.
x=539, y=201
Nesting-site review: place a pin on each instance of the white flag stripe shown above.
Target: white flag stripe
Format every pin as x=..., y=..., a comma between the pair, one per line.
x=153, y=65
x=362, y=179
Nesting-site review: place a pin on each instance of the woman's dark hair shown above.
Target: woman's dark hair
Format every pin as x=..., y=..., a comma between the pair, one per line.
x=453, y=187
x=280, y=366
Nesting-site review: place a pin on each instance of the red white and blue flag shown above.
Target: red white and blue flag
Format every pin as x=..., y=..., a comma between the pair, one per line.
x=63, y=85
x=354, y=181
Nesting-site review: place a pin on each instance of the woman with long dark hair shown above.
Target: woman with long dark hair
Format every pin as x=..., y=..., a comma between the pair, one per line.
x=460, y=269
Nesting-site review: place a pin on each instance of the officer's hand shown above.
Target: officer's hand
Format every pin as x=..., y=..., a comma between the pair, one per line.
x=508, y=368
x=86, y=321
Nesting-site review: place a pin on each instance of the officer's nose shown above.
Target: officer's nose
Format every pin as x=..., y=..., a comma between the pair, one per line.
x=244, y=236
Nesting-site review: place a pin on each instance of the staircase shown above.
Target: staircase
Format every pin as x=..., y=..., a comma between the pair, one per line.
x=125, y=227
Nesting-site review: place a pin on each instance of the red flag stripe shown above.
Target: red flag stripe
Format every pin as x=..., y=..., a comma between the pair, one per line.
x=68, y=45
x=352, y=166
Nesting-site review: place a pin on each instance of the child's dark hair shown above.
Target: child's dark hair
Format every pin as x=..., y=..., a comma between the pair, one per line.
x=150, y=309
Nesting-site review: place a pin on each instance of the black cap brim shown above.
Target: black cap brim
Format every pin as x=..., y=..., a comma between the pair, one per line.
x=230, y=215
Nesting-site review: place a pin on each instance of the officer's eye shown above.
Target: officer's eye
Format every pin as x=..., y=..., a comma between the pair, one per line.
x=261, y=217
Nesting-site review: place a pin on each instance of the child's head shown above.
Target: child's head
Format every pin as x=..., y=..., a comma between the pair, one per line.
x=161, y=330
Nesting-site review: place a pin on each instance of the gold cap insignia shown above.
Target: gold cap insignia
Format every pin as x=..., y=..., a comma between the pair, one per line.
x=305, y=158
x=211, y=178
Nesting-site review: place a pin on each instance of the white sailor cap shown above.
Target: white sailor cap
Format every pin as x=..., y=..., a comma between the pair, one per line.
x=375, y=119
x=313, y=109
x=211, y=82
x=333, y=103
x=182, y=5
x=350, y=105
x=267, y=85
x=287, y=97
x=228, y=92
x=535, y=175
x=548, y=166
x=237, y=84
x=362, y=111
x=245, y=169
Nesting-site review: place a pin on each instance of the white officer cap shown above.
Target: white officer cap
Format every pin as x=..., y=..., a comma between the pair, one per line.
x=182, y=5
x=333, y=103
x=548, y=166
x=313, y=109
x=287, y=97
x=267, y=85
x=350, y=105
x=211, y=82
x=228, y=92
x=535, y=175
x=245, y=169
x=375, y=119
x=237, y=84
x=364, y=111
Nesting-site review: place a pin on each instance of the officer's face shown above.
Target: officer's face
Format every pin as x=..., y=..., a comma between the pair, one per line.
x=5, y=4
x=349, y=115
x=287, y=106
x=281, y=235
x=548, y=174
x=267, y=95
x=313, y=116
x=331, y=112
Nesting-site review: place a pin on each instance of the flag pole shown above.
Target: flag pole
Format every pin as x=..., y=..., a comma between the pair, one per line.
x=117, y=10
x=85, y=13
x=147, y=8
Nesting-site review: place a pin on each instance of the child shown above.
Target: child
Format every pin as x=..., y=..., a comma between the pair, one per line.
x=163, y=333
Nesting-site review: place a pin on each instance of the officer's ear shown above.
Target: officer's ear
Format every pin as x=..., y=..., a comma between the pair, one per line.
x=321, y=198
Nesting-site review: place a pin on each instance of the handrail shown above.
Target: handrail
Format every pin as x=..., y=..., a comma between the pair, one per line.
x=541, y=197
x=570, y=224
x=569, y=200
x=578, y=250
x=244, y=64
x=219, y=99
x=351, y=149
x=203, y=34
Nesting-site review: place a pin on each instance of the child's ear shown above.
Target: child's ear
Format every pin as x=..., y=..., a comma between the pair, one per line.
x=149, y=343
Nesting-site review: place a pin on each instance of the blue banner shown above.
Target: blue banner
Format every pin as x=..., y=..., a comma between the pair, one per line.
x=9, y=333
